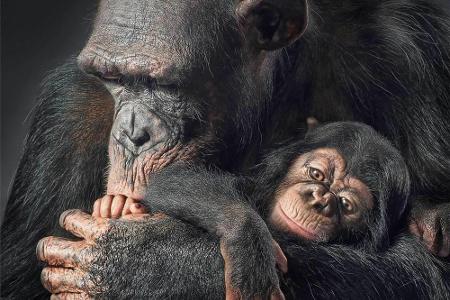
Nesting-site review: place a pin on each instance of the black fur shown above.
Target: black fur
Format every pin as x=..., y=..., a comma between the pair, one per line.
x=382, y=62
x=55, y=174
x=222, y=204
x=368, y=156
x=405, y=271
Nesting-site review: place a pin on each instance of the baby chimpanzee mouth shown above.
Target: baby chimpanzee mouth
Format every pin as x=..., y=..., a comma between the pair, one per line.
x=296, y=227
x=299, y=228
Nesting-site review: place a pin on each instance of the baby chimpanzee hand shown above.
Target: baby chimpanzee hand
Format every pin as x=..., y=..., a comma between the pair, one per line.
x=114, y=207
x=430, y=221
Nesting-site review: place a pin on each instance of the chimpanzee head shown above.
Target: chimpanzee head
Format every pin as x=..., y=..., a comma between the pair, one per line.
x=188, y=77
x=344, y=183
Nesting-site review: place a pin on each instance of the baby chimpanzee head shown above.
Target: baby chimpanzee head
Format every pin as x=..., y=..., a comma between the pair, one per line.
x=344, y=184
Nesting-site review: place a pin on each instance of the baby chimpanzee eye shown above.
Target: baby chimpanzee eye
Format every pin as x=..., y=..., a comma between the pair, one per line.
x=316, y=174
x=346, y=204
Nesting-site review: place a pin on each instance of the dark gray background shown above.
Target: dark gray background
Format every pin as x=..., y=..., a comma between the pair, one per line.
x=37, y=36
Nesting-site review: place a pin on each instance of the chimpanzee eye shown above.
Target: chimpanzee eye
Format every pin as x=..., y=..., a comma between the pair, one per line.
x=316, y=174
x=110, y=77
x=346, y=205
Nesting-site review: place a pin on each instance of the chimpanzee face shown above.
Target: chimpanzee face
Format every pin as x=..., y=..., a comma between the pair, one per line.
x=184, y=75
x=319, y=200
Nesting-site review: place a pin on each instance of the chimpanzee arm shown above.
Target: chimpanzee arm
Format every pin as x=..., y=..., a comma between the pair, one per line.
x=405, y=271
x=62, y=167
x=216, y=203
x=163, y=258
x=209, y=197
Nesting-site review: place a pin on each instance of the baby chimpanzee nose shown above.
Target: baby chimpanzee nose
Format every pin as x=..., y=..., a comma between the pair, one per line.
x=322, y=200
x=138, y=129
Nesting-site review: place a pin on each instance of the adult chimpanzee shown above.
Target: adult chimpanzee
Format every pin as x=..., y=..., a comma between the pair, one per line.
x=201, y=71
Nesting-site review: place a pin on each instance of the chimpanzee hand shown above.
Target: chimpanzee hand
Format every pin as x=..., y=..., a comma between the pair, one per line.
x=431, y=222
x=133, y=257
x=251, y=257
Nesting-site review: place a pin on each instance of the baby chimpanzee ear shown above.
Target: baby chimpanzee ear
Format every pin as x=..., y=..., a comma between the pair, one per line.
x=273, y=24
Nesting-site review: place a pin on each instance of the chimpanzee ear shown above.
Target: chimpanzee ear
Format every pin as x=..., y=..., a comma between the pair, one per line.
x=273, y=24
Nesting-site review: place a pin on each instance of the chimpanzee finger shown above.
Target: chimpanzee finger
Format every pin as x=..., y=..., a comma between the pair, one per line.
x=96, y=208
x=105, y=208
x=230, y=292
x=71, y=296
x=82, y=224
x=415, y=229
x=444, y=247
x=430, y=237
x=280, y=258
x=117, y=206
x=126, y=208
x=277, y=295
x=62, y=280
x=137, y=209
x=61, y=252
x=234, y=293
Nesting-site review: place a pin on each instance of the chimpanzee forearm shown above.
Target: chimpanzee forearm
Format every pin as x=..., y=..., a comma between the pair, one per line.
x=405, y=271
x=211, y=200
x=62, y=167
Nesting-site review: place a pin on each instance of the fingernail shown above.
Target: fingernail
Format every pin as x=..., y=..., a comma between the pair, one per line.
x=278, y=295
x=40, y=249
x=63, y=216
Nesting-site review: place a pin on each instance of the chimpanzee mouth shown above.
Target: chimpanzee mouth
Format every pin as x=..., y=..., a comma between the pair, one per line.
x=130, y=172
x=298, y=229
x=130, y=175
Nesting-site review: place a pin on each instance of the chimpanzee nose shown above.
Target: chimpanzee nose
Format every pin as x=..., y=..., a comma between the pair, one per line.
x=326, y=205
x=139, y=129
x=135, y=131
x=324, y=201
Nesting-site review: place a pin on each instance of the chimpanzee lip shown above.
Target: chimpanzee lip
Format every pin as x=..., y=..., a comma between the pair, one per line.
x=295, y=227
x=146, y=165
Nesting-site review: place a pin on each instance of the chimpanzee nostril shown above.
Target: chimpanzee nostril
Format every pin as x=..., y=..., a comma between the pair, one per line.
x=319, y=206
x=139, y=137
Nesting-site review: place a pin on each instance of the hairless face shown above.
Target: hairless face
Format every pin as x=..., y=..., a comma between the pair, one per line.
x=319, y=200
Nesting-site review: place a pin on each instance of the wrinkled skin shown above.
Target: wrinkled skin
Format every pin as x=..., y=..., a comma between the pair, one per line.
x=337, y=71
x=166, y=64
x=174, y=93
x=170, y=64
x=178, y=94
x=157, y=82
x=319, y=200
x=108, y=247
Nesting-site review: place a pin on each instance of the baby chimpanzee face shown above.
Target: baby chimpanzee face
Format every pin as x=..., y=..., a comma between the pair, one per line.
x=319, y=200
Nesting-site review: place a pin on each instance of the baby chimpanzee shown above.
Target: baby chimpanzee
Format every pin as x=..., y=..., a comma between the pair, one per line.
x=342, y=184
